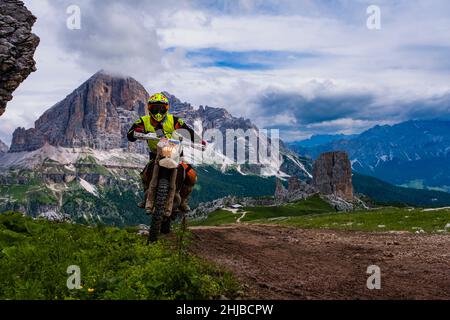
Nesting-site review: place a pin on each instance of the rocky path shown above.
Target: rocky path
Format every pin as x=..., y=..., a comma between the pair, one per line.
x=276, y=262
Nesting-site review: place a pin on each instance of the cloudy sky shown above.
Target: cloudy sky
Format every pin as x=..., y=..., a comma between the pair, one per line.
x=305, y=67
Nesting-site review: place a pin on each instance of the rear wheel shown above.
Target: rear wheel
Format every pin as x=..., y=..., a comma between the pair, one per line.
x=160, y=206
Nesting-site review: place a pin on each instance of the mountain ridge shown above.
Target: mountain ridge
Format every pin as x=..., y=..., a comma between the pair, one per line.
x=319, y=139
x=411, y=153
x=385, y=193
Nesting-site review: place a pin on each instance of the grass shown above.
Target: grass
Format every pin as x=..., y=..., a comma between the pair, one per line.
x=91, y=168
x=385, y=219
x=218, y=217
x=17, y=192
x=311, y=205
x=316, y=213
x=114, y=263
x=25, y=193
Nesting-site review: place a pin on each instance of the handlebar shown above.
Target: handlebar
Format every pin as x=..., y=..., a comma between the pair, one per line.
x=153, y=136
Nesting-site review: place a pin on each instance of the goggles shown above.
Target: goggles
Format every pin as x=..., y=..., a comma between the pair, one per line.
x=158, y=108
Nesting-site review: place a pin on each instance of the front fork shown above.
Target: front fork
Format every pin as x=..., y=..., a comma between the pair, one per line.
x=172, y=191
x=151, y=192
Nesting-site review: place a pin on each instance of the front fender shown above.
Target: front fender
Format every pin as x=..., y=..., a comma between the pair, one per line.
x=168, y=163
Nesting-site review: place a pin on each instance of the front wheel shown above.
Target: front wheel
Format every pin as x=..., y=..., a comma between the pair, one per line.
x=165, y=225
x=160, y=206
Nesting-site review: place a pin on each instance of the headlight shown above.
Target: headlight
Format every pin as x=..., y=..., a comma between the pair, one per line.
x=169, y=150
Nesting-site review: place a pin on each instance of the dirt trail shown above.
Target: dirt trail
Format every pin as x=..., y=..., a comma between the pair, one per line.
x=276, y=262
x=241, y=217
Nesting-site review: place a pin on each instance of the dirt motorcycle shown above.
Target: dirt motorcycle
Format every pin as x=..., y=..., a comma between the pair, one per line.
x=163, y=198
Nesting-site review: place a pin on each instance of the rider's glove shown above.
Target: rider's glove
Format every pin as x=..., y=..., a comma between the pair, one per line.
x=203, y=145
x=138, y=130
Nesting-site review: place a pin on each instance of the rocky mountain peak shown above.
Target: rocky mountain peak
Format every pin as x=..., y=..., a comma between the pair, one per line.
x=120, y=91
x=177, y=106
x=297, y=190
x=17, y=47
x=97, y=114
x=332, y=175
x=215, y=112
x=280, y=190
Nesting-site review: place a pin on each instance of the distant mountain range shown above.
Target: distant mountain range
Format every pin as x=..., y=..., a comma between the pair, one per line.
x=413, y=153
x=319, y=139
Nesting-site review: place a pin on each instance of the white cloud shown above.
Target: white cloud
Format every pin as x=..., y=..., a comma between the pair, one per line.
x=195, y=29
x=57, y=75
x=404, y=62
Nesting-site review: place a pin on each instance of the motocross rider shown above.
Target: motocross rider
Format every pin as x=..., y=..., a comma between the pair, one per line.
x=162, y=122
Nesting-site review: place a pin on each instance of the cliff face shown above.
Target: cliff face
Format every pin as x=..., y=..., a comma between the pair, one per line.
x=211, y=118
x=332, y=175
x=97, y=114
x=296, y=190
x=17, y=47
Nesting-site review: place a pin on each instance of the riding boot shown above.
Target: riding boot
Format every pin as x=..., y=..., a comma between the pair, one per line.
x=141, y=204
x=146, y=178
x=185, y=192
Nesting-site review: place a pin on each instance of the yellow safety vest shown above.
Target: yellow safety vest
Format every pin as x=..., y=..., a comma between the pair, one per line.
x=168, y=126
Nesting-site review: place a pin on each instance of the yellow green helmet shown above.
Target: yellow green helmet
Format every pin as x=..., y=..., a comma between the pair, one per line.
x=158, y=106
